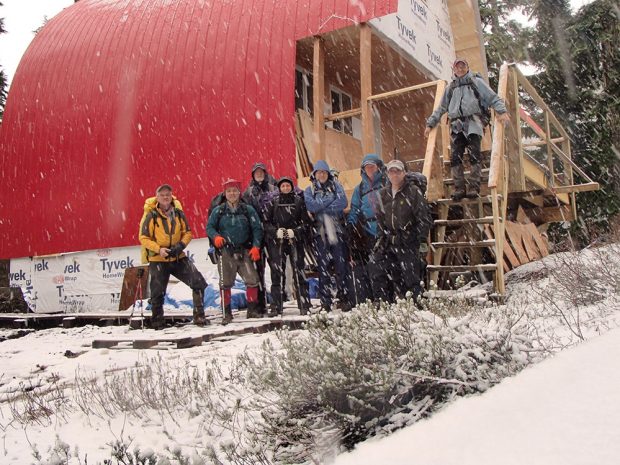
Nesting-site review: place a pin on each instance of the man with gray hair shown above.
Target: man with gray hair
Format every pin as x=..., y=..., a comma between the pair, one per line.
x=165, y=233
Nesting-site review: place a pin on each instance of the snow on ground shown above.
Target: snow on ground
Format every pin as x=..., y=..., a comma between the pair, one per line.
x=564, y=411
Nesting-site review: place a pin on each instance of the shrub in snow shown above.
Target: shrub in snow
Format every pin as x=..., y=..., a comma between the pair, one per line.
x=377, y=369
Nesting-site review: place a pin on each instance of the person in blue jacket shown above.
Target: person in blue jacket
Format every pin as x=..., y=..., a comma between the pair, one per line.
x=362, y=224
x=325, y=201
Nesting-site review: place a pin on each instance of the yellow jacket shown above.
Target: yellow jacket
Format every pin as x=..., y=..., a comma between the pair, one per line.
x=157, y=230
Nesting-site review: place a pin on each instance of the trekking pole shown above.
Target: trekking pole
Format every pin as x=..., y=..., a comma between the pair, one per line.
x=138, y=296
x=354, y=285
x=282, y=266
x=295, y=275
x=221, y=284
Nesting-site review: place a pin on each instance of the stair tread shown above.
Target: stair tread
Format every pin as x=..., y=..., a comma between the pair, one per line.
x=484, y=199
x=483, y=220
x=482, y=267
x=485, y=243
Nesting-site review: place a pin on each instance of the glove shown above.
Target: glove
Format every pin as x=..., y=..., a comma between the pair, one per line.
x=254, y=254
x=176, y=249
x=290, y=234
x=219, y=242
x=280, y=233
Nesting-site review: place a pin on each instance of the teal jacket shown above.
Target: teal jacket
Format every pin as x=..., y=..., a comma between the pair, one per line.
x=241, y=227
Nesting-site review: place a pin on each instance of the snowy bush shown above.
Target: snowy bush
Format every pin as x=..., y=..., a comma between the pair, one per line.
x=378, y=369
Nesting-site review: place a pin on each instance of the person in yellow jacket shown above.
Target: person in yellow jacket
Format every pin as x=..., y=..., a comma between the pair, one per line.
x=164, y=233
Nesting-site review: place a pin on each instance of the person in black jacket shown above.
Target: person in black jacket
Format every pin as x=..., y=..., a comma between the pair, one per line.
x=260, y=190
x=402, y=224
x=286, y=225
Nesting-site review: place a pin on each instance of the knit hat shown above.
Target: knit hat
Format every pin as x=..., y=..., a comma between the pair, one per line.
x=284, y=179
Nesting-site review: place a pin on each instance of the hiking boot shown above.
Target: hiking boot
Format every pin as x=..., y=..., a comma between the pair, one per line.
x=228, y=317
x=458, y=174
x=157, y=319
x=473, y=181
x=253, y=310
x=199, y=317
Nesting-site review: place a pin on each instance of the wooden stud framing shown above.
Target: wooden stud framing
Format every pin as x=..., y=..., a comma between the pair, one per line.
x=318, y=83
x=368, y=139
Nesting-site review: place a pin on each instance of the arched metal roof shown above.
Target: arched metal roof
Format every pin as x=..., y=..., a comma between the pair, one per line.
x=114, y=97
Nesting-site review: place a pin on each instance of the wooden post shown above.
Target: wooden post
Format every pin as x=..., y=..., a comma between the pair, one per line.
x=318, y=83
x=549, y=150
x=368, y=137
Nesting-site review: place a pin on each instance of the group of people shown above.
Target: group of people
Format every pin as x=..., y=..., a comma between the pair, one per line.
x=370, y=252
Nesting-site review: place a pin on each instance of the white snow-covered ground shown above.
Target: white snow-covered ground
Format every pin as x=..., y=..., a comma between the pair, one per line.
x=564, y=410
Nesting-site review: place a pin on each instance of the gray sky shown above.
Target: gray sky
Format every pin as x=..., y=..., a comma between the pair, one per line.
x=21, y=17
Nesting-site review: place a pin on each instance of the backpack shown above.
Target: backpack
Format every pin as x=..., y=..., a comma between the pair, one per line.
x=220, y=199
x=150, y=208
x=426, y=220
x=485, y=112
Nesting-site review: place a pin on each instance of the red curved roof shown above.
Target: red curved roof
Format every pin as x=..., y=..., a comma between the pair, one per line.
x=114, y=97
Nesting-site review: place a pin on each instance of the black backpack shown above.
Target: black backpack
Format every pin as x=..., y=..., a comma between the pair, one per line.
x=485, y=112
x=426, y=220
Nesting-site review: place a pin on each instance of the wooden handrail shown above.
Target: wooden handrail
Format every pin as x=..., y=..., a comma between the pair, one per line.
x=343, y=114
x=521, y=79
x=497, y=149
x=432, y=137
x=393, y=93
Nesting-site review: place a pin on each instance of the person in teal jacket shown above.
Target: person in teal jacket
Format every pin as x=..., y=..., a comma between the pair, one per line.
x=235, y=229
x=362, y=224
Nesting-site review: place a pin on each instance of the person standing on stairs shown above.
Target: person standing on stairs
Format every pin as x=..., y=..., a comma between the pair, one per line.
x=236, y=231
x=467, y=100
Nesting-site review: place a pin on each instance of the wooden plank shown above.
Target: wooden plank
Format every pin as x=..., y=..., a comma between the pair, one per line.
x=514, y=235
x=432, y=163
x=497, y=148
x=130, y=284
x=522, y=216
x=587, y=187
x=461, y=245
x=485, y=267
x=318, y=82
x=343, y=114
x=186, y=342
x=404, y=90
x=145, y=343
x=483, y=220
x=530, y=246
x=368, y=138
x=538, y=239
x=104, y=344
x=509, y=254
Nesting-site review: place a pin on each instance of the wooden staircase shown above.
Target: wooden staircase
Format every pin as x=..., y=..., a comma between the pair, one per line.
x=475, y=229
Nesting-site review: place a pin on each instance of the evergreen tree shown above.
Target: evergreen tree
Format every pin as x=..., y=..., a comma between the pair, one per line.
x=594, y=36
x=506, y=39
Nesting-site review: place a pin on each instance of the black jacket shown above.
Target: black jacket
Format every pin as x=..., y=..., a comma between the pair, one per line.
x=402, y=219
x=286, y=211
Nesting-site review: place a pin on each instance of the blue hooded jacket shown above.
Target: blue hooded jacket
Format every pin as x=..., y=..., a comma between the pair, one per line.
x=365, y=202
x=325, y=200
